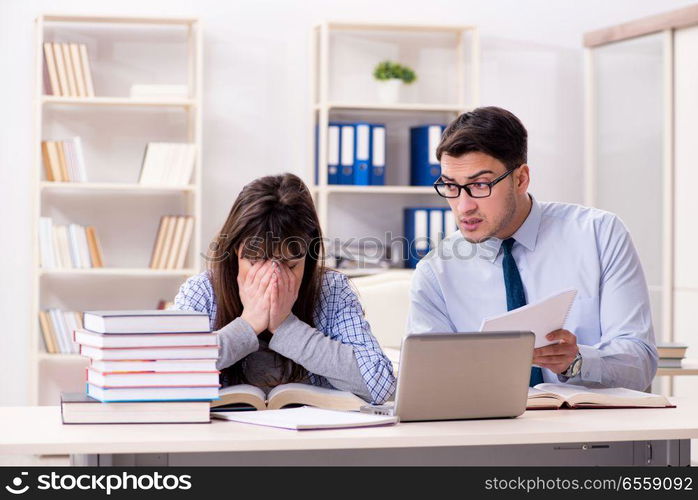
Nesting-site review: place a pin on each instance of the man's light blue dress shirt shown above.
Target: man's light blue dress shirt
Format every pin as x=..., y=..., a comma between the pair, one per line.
x=558, y=246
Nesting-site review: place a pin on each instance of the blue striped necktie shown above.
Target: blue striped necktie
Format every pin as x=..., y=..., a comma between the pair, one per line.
x=515, y=295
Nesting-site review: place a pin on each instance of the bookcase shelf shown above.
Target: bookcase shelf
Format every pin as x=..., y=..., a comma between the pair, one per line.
x=117, y=101
x=373, y=189
x=119, y=187
x=358, y=106
x=118, y=271
x=114, y=134
x=446, y=59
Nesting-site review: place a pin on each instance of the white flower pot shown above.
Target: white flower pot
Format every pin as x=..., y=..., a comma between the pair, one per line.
x=389, y=90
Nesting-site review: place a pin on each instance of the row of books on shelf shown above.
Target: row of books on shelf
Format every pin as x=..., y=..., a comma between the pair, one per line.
x=68, y=246
x=356, y=154
x=64, y=160
x=424, y=228
x=164, y=163
x=67, y=70
x=168, y=163
x=172, y=242
x=57, y=328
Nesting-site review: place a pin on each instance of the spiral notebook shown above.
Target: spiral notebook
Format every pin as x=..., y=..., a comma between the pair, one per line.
x=541, y=318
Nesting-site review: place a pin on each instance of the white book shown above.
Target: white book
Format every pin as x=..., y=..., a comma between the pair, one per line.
x=46, y=243
x=80, y=160
x=112, y=354
x=146, y=321
x=187, y=164
x=87, y=337
x=71, y=325
x=73, y=244
x=305, y=418
x=541, y=317
x=152, y=393
x=196, y=379
x=84, y=247
x=169, y=159
x=154, y=365
x=63, y=248
x=575, y=396
x=67, y=146
x=59, y=327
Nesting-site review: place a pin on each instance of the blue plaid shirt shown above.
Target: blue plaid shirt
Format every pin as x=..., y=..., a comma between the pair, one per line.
x=339, y=315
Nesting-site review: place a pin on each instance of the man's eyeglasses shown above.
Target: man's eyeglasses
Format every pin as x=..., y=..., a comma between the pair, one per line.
x=474, y=189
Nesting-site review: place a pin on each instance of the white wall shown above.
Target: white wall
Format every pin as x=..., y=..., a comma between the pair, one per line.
x=256, y=100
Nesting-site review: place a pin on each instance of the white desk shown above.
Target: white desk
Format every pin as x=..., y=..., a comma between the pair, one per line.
x=554, y=437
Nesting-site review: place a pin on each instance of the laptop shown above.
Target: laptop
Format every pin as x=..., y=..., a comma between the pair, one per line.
x=454, y=376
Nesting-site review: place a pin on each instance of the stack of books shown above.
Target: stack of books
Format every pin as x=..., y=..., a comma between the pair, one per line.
x=64, y=160
x=68, y=246
x=67, y=70
x=145, y=367
x=172, y=242
x=670, y=355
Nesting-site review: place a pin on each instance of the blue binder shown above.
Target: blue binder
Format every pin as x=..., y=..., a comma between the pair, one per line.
x=362, y=154
x=334, y=152
x=347, y=154
x=416, y=244
x=424, y=167
x=377, y=155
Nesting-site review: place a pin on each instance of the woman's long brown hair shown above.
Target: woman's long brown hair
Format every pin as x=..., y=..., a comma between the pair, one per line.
x=271, y=216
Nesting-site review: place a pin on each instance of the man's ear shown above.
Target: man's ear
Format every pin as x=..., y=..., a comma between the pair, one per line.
x=523, y=178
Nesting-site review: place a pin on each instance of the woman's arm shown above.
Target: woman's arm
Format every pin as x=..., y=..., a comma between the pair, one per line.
x=346, y=353
x=236, y=340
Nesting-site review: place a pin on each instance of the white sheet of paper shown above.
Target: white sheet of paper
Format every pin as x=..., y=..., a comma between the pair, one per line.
x=540, y=317
x=306, y=417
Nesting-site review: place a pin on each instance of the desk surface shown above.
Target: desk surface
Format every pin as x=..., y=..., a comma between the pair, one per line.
x=38, y=430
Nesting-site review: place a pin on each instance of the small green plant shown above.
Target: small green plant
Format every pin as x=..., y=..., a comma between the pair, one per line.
x=388, y=70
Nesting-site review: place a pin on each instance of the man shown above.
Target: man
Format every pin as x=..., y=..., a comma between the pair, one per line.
x=511, y=250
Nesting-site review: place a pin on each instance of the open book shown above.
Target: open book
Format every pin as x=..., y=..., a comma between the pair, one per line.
x=287, y=394
x=546, y=396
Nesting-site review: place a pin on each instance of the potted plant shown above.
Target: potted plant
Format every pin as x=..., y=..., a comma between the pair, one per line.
x=391, y=77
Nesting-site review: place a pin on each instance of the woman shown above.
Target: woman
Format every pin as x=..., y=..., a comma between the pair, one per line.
x=280, y=315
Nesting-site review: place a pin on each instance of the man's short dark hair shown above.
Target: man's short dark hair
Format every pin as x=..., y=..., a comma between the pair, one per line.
x=490, y=130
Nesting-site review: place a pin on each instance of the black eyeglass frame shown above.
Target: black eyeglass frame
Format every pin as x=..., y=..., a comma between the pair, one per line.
x=461, y=187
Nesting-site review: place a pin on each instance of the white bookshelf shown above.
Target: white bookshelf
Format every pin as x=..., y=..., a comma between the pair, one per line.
x=125, y=213
x=446, y=60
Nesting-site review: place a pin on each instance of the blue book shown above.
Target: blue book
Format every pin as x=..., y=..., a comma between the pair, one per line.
x=347, y=154
x=424, y=167
x=377, y=155
x=362, y=154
